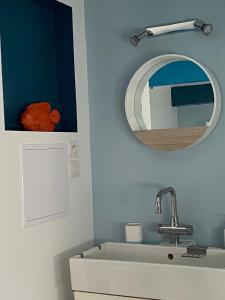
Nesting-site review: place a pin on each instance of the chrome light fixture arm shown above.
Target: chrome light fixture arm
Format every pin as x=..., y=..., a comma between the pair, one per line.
x=193, y=25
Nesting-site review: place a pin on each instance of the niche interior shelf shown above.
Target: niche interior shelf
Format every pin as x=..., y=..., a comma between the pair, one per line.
x=172, y=138
x=37, y=59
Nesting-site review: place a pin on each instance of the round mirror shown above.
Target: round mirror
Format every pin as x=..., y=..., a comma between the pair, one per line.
x=173, y=102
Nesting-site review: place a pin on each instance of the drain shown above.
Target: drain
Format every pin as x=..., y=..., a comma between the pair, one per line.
x=170, y=256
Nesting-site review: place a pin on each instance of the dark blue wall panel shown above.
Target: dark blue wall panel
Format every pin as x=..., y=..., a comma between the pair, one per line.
x=33, y=53
x=192, y=95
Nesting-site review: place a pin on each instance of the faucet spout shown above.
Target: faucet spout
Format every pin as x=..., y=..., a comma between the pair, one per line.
x=174, y=229
x=158, y=204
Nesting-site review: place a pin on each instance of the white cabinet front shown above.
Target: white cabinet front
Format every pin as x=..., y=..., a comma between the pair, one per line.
x=90, y=296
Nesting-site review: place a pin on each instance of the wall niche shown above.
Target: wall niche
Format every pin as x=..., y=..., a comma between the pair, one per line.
x=37, y=59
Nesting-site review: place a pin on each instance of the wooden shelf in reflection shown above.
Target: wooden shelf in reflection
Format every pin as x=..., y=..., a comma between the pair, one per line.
x=170, y=139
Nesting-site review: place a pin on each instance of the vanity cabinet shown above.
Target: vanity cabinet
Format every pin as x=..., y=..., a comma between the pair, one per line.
x=145, y=272
x=90, y=296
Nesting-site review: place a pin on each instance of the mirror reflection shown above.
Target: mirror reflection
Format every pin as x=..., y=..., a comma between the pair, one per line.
x=178, y=95
x=176, y=106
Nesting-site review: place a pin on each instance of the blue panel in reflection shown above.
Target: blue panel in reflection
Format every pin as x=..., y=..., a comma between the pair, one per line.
x=177, y=73
x=192, y=95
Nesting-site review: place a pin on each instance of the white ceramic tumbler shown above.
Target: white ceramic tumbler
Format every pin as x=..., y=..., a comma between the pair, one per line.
x=134, y=233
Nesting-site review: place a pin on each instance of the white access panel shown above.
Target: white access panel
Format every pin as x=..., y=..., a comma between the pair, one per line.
x=45, y=182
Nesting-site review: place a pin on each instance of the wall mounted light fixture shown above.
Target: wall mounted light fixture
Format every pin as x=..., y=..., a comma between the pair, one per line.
x=193, y=25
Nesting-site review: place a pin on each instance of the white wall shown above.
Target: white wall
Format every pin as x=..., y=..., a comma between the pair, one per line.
x=145, y=107
x=34, y=261
x=163, y=115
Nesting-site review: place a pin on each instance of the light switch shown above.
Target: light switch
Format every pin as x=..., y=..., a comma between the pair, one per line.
x=74, y=168
x=74, y=149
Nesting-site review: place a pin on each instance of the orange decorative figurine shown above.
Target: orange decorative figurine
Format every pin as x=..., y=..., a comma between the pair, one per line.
x=40, y=117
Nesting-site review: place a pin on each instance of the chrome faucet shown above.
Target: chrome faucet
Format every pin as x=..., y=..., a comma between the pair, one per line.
x=174, y=229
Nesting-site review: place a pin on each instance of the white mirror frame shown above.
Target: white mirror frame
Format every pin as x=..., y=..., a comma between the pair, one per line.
x=138, y=82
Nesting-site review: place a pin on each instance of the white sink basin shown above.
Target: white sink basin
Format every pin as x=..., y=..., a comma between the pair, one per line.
x=145, y=271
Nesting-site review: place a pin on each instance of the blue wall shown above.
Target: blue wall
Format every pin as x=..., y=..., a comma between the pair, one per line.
x=126, y=174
